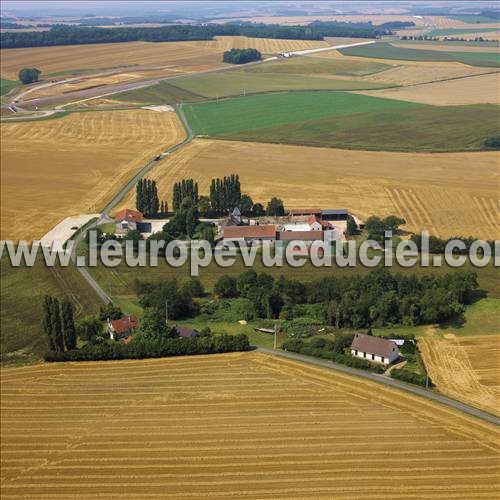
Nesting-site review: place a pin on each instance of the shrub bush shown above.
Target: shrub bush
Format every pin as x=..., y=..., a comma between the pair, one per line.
x=410, y=377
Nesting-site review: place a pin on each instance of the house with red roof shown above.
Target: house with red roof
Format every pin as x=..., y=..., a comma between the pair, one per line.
x=248, y=234
x=123, y=327
x=127, y=220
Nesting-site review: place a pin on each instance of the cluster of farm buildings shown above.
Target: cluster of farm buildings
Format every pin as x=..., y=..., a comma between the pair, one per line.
x=305, y=225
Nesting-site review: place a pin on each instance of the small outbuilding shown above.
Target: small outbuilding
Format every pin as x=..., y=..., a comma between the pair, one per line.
x=186, y=332
x=374, y=349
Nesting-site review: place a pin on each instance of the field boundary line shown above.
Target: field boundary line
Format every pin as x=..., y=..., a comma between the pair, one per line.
x=447, y=401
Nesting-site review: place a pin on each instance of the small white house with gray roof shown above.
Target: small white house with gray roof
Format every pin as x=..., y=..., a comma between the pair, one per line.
x=374, y=349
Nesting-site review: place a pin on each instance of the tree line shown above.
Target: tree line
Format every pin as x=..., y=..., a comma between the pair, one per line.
x=241, y=56
x=73, y=35
x=377, y=299
x=59, y=324
x=147, y=200
x=187, y=188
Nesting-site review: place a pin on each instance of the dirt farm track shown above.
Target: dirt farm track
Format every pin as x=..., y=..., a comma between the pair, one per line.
x=240, y=425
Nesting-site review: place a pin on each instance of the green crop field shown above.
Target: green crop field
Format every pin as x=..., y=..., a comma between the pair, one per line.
x=311, y=118
x=387, y=51
x=218, y=118
x=21, y=296
x=232, y=84
x=318, y=66
x=7, y=85
x=471, y=19
x=161, y=93
x=119, y=281
x=461, y=31
x=429, y=128
x=304, y=73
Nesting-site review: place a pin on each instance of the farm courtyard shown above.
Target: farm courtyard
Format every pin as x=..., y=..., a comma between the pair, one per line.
x=207, y=426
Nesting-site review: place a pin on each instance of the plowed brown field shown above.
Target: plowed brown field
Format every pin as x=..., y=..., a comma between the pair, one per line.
x=466, y=368
x=72, y=165
x=447, y=193
x=242, y=425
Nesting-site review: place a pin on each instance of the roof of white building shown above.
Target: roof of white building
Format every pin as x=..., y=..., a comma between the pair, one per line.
x=299, y=226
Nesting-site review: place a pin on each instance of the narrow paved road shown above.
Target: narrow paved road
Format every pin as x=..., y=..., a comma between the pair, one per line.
x=457, y=405
x=119, y=196
x=151, y=164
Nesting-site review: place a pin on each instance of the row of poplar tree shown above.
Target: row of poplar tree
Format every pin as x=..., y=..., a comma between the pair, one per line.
x=187, y=188
x=147, y=200
x=225, y=193
x=59, y=324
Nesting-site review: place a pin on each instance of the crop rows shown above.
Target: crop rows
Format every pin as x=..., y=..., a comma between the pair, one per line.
x=243, y=425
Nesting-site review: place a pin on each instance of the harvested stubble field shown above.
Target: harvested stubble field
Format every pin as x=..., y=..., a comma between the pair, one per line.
x=416, y=73
x=452, y=22
x=264, y=45
x=477, y=89
x=449, y=194
x=375, y=19
x=465, y=368
x=186, y=56
x=56, y=168
x=237, y=425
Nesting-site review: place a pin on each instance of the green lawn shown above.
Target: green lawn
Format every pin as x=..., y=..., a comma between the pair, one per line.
x=7, y=85
x=481, y=318
x=21, y=295
x=423, y=128
x=461, y=31
x=108, y=227
x=385, y=50
x=218, y=118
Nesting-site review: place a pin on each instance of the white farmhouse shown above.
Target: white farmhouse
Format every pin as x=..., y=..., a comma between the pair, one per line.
x=374, y=349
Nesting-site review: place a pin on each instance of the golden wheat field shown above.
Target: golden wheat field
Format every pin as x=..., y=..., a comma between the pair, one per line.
x=465, y=368
x=181, y=55
x=475, y=89
x=446, y=193
x=72, y=165
x=443, y=22
x=243, y=425
x=264, y=45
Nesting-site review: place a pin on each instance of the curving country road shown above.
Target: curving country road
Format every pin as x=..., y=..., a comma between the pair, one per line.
x=381, y=379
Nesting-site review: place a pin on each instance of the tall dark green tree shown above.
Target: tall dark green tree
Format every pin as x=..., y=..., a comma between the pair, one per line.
x=47, y=321
x=68, y=325
x=56, y=326
x=275, y=207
